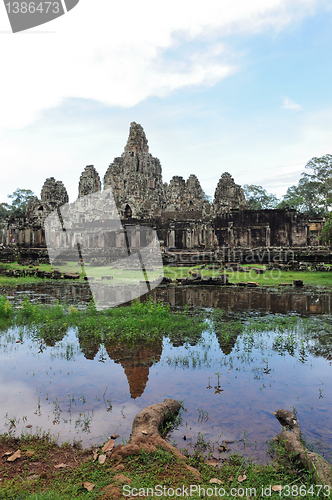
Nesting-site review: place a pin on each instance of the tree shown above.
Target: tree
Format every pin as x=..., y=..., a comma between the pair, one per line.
x=292, y=199
x=4, y=210
x=304, y=197
x=20, y=199
x=326, y=233
x=322, y=178
x=258, y=198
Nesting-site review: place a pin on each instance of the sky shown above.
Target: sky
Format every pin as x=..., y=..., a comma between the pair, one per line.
x=240, y=87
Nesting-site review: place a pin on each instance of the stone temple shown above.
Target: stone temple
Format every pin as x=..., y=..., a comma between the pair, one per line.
x=180, y=211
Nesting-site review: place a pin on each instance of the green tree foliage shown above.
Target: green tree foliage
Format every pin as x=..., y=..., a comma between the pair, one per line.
x=322, y=179
x=4, y=210
x=293, y=199
x=313, y=194
x=303, y=198
x=326, y=233
x=258, y=198
x=20, y=198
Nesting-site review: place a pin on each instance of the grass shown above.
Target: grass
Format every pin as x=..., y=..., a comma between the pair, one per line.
x=120, y=276
x=35, y=477
x=270, y=278
x=147, y=322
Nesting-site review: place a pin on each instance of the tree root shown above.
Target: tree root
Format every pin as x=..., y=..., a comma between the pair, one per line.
x=292, y=441
x=145, y=431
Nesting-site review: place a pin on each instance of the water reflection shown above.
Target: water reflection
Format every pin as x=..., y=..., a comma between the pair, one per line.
x=241, y=369
x=88, y=345
x=304, y=302
x=136, y=361
x=244, y=299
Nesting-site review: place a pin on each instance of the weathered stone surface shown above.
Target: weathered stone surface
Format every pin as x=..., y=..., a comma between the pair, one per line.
x=32, y=205
x=89, y=181
x=53, y=195
x=184, y=195
x=181, y=213
x=137, y=141
x=54, y=192
x=136, y=179
x=175, y=193
x=228, y=195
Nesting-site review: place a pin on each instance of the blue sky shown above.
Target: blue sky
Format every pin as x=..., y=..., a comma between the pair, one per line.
x=243, y=88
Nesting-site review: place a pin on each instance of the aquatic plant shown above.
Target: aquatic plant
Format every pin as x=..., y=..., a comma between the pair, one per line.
x=142, y=321
x=6, y=308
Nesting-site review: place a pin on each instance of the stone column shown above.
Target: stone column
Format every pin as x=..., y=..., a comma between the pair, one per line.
x=172, y=238
x=137, y=237
x=307, y=238
x=287, y=235
x=268, y=236
x=230, y=237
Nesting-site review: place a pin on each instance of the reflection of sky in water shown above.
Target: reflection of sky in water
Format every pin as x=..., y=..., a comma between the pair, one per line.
x=59, y=389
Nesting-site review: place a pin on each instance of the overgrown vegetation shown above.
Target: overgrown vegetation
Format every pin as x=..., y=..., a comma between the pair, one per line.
x=141, y=321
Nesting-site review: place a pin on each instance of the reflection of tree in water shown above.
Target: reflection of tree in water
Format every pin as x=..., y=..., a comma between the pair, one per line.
x=88, y=344
x=323, y=347
x=286, y=344
x=136, y=361
x=181, y=342
x=51, y=334
x=300, y=338
x=226, y=330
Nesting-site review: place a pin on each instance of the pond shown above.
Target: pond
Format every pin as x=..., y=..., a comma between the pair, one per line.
x=314, y=300
x=248, y=362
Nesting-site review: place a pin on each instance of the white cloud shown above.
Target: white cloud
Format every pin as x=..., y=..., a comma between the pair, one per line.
x=289, y=104
x=118, y=53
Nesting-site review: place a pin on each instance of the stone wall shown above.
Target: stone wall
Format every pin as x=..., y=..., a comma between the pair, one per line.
x=228, y=195
x=184, y=196
x=53, y=195
x=136, y=178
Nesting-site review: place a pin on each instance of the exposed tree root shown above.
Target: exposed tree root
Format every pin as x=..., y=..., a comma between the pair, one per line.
x=293, y=443
x=145, y=434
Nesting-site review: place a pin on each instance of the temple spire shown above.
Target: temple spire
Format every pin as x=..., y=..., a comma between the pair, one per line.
x=137, y=140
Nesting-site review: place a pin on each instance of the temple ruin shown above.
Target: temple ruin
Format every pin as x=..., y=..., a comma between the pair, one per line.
x=185, y=219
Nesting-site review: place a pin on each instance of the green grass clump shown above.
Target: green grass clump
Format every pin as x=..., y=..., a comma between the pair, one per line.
x=141, y=321
x=158, y=471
